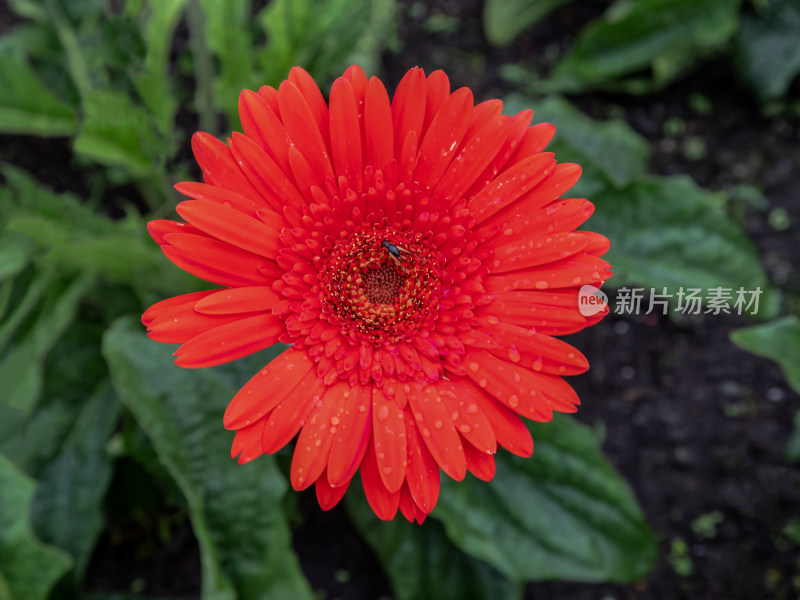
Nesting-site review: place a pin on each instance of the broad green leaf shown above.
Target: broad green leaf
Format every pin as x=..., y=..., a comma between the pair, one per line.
x=230, y=36
x=324, y=38
x=562, y=514
x=665, y=36
x=116, y=132
x=67, y=511
x=768, y=49
x=235, y=510
x=28, y=568
x=609, y=152
x=668, y=232
x=503, y=20
x=422, y=563
x=21, y=368
x=63, y=444
x=80, y=240
x=16, y=251
x=778, y=340
x=27, y=106
x=153, y=82
x=793, y=447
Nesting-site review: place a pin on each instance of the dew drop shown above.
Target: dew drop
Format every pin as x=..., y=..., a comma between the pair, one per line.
x=542, y=285
x=464, y=428
x=438, y=424
x=513, y=401
x=472, y=409
x=387, y=470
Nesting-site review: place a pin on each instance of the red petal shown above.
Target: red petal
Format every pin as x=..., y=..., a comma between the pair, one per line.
x=221, y=196
x=470, y=421
x=510, y=431
x=441, y=140
x=291, y=413
x=422, y=471
x=438, y=92
x=313, y=97
x=472, y=159
x=480, y=464
x=438, y=432
x=160, y=228
x=327, y=495
x=378, y=130
x=509, y=186
x=533, y=142
x=313, y=446
x=237, y=300
x=166, y=308
x=219, y=167
x=537, y=250
x=534, y=350
x=408, y=108
x=215, y=261
x=524, y=212
x=184, y=323
x=346, y=133
x=575, y=271
x=267, y=176
x=305, y=132
x=247, y=442
x=267, y=388
x=389, y=431
x=230, y=341
x=383, y=502
x=352, y=435
x=260, y=123
x=231, y=226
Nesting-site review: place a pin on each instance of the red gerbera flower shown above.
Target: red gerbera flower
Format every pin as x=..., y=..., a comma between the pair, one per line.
x=416, y=257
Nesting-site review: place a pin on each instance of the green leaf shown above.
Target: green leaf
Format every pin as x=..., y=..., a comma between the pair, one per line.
x=562, y=514
x=80, y=240
x=16, y=251
x=503, y=20
x=27, y=106
x=116, y=132
x=667, y=231
x=793, y=447
x=230, y=36
x=323, y=37
x=21, y=369
x=28, y=568
x=609, y=152
x=768, y=52
x=778, y=340
x=63, y=444
x=235, y=510
x=422, y=563
x=665, y=36
x=67, y=511
x=153, y=82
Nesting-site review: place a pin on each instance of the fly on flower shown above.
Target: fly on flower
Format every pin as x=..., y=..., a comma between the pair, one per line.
x=418, y=257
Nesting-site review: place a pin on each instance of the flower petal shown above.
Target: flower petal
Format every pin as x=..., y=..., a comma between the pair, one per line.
x=313, y=446
x=352, y=434
x=231, y=226
x=329, y=496
x=389, y=433
x=290, y=415
x=378, y=129
x=438, y=432
x=229, y=342
x=267, y=388
x=383, y=502
x=422, y=471
x=345, y=133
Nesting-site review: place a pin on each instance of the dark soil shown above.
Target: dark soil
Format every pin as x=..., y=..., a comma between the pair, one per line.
x=696, y=426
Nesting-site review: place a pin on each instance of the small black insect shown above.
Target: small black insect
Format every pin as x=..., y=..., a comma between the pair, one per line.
x=395, y=252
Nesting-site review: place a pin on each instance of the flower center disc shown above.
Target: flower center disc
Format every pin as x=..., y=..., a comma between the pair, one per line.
x=380, y=292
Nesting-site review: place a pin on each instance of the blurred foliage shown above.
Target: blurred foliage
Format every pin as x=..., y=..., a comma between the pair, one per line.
x=778, y=340
x=88, y=399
